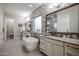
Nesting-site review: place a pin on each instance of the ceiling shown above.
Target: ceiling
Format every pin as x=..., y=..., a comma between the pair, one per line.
x=20, y=9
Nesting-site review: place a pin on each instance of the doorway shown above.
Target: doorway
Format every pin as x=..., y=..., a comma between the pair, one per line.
x=10, y=28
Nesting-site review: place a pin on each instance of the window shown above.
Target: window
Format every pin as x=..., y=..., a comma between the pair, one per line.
x=38, y=24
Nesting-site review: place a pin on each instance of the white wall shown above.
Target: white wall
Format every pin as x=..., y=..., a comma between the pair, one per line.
x=17, y=20
x=1, y=25
x=73, y=19
x=1, y=19
x=5, y=28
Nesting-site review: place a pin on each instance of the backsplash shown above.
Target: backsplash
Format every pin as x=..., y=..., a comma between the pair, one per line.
x=65, y=34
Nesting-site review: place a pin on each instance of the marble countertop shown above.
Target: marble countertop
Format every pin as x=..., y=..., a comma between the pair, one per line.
x=63, y=39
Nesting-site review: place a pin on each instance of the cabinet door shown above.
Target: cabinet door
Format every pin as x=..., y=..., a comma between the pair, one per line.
x=58, y=50
x=49, y=50
x=42, y=44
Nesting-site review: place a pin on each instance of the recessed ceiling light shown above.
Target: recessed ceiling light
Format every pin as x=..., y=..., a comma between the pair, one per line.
x=30, y=5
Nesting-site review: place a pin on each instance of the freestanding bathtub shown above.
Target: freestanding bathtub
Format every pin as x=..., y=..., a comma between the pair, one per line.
x=30, y=43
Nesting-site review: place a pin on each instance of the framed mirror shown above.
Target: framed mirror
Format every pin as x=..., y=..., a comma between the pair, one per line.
x=64, y=22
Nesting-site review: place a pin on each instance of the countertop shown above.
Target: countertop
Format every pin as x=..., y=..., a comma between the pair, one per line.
x=63, y=39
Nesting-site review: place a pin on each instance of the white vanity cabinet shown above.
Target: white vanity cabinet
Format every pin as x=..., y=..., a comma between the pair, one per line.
x=51, y=47
x=54, y=47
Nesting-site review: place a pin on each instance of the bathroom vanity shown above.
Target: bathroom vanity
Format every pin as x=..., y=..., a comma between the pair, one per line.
x=63, y=25
x=59, y=46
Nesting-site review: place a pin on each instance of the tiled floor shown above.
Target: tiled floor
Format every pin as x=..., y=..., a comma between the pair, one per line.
x=14, y=47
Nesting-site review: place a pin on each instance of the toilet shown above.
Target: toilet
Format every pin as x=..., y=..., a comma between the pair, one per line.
x=30, y=43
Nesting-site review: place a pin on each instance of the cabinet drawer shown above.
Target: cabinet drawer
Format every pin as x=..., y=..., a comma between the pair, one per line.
x=71, y=52
x=48, y=40
x=72, y=46
x=71, y=49
x=42, y=39
x=58, y=42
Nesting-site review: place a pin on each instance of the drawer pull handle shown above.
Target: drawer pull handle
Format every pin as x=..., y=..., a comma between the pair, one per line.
x=73, y=47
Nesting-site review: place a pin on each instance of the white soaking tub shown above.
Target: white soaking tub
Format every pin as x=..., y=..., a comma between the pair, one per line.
x=30, y=43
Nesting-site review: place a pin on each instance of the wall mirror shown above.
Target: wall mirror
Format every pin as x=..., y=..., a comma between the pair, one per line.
x=27, y=26
x=64, y=20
